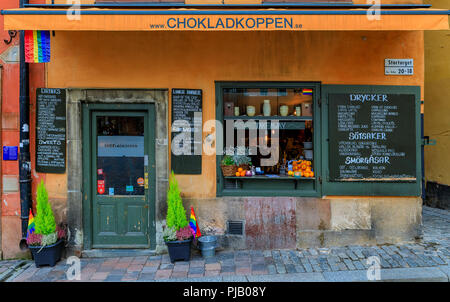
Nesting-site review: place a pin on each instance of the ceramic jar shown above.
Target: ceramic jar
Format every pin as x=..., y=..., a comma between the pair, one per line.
x=298, y=111
x=236, y=111
x=284, y=109
x=266, y=108
x=250, y=110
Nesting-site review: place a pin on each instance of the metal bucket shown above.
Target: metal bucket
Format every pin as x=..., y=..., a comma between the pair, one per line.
x=207, y=245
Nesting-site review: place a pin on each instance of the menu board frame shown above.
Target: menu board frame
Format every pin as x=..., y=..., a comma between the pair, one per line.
x=60, y=118
x=187, y=164
x=369, y=187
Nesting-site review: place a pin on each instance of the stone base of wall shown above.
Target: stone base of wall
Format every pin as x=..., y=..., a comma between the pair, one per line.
x=288, y=222
x=437, y=195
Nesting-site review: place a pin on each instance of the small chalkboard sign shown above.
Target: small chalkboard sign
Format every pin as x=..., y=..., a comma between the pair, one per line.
x=50, y=130
x=186, y=131
x=372, y=137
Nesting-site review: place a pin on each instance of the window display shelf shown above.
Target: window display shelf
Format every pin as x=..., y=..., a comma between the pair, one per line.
x=265, y=177
x=273, y=117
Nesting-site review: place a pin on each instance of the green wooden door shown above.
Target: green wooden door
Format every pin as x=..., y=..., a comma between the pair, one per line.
x=122, y=149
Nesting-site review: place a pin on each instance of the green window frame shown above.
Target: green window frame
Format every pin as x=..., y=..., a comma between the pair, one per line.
x=273, y=187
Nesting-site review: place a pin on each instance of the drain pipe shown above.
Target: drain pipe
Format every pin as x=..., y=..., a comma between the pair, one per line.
x=24, y=154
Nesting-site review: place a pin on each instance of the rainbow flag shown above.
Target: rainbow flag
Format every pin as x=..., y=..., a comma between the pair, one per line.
x=37, y=46
x=194, y=225
x=307, y=91
x=31, y=224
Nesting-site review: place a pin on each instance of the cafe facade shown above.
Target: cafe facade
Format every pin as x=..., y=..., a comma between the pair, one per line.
x=138, y=92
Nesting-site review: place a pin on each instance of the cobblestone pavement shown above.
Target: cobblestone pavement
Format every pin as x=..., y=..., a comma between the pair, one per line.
x=432, y=251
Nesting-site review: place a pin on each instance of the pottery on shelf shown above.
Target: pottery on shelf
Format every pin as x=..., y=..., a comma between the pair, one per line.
x=250, y=110
x=284, y=109
x=298, y=111
x=266, y=108
x=236, y=111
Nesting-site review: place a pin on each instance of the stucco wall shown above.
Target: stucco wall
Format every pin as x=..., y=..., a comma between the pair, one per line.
x=437, y=96
x=196, y=60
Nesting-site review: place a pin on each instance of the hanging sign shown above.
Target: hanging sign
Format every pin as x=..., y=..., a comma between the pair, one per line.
x=50, y=130
x=372, y=137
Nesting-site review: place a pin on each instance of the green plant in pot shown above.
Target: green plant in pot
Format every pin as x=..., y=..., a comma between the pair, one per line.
x=47, y=240
x=177, y=234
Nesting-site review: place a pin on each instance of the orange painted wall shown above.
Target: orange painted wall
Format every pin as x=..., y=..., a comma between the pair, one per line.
x=196, y=60
x=10, y=201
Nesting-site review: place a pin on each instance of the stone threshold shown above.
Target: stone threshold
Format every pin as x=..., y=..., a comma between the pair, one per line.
x=106, y=253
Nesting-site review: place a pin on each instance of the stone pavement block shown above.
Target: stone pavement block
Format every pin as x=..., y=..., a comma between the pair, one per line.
x=346, y=276
x=146, y=277
x=235, y=279
x=163, y=274
x=349, y=264
x=358, y=265
x=271, y=269
x=299, y=268
x=99, y=276
x=114, y=278
x=228, y=268
x=197, y=270
x=181, y=268
x=165, y=266
x=135, y=268
x=212, y=266
x=149, y=269
x=179, y=274
x=212, y=273
x=243, y=270
x=298, y=277
x=351, y=255
x=197, y=263
x=281, y=269
x=419, y=274
x=290, y=268
x=446, y=270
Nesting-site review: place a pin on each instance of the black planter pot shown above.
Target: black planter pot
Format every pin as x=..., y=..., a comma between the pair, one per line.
x=179, y=250
x=48, y=255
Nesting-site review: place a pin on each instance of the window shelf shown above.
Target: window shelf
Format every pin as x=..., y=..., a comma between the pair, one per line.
x=264, y=177
x=272, y=117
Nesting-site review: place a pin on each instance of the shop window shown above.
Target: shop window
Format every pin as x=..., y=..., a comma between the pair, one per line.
x=269, y=132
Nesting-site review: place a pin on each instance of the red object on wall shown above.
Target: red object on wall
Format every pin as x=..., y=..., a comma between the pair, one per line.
x=100, y=186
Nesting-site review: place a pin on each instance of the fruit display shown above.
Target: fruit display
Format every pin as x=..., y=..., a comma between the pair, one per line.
x=301, y=168
x=241, y=172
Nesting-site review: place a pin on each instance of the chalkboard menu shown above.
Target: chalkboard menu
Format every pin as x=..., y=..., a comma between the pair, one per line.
x=50, y=130
x=372, y=137
x=186, y=131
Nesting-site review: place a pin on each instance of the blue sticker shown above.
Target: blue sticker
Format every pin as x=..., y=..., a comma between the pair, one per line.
x=130, y=189
x=111, y=191
x=10, y=152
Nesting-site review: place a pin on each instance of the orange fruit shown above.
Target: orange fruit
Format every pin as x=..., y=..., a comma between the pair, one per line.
x=240, y=170
x=312, y=174
x=243, y=173
x=238, y=174
x=303, y=167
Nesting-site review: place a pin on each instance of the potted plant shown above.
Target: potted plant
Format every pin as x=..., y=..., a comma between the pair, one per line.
x=228, y=166
x=44, y=238
x=177, y=234
x=241, y=157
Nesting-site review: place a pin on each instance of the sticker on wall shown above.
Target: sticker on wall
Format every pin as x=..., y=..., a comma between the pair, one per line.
x=140, y=181
x=111, y=191
x=100, y=186
x=129, y=189
x=146, y=180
